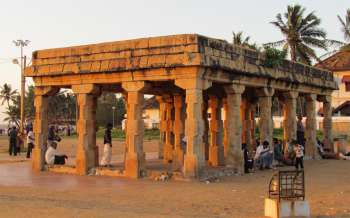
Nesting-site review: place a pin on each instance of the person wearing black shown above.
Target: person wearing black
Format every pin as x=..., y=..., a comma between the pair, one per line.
x=248, y=163
x=107, y=150
x=13, y=141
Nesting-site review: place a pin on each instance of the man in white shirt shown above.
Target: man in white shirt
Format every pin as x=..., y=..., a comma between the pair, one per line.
x=52, y=156
x=264, y=156
x=30, y=141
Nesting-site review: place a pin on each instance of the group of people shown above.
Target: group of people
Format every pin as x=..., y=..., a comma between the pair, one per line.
x=264, y=155
x=16, y=141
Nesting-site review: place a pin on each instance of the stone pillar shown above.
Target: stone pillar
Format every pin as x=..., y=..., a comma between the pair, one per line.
x=178, y=132
x=86, y=127
x=289, y=115
x=41, y=101
x=266, y=122
x=168, y=147
x=310, y=130
x=206, y=126
x=215, y=145
x=194, y=160
x=234, y=156
x=162, y=126
x=225, y=137
x=251, y=112
x=244, y=118
x=327, y=122
x=135, y=157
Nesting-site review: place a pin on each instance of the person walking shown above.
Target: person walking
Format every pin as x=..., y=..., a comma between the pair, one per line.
x=299, y=155
x=107, y=150
x=30, y=141
x=13, y=141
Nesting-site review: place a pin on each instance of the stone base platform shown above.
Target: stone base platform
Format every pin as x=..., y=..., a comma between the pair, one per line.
x=279, y=209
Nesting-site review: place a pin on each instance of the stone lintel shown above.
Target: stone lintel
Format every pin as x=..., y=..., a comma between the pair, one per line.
x=310, y=97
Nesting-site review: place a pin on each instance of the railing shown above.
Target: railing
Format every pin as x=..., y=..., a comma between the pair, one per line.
x=287, y=185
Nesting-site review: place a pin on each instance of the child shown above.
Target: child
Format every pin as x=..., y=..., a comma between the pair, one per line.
x=299, y=155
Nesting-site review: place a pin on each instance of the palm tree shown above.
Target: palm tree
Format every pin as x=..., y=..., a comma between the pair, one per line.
x=345, y=25
x=238, y=39
x=301, y=33
x=7, y=94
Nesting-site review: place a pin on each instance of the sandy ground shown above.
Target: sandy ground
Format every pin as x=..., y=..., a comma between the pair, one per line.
x=27, y=194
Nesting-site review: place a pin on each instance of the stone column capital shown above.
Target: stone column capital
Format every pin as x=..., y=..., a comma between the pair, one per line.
x=234, y=89
x=193, y=83
x=265, y=92
x=311, y=97
x=325, y=98
x=86, y=89
x=134, y=86
x=45, y=90
x=290, y=94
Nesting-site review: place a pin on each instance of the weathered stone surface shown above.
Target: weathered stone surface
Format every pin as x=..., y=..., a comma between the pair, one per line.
x=289, y=114
x=327, y=123
x=234, y=156
x=266, y=122
x=310, y=130
x=170, y=51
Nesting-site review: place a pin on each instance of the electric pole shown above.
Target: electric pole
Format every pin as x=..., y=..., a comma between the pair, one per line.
x=22, y=43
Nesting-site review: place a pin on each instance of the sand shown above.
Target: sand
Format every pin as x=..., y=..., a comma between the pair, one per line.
x=27, y=194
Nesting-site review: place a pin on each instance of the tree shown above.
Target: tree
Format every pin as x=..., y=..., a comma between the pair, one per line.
x=7, y=95
x=13, y=111
x=301, y=34
x=345, y=25
x=240, y=40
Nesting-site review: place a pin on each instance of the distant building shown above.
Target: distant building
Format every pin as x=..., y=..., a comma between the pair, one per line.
x=339, y=64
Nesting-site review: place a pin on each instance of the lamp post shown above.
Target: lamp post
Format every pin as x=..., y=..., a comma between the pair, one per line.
x=113, y=114
x=22, y=43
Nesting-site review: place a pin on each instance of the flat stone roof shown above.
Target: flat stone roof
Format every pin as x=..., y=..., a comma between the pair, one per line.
x=184, y=50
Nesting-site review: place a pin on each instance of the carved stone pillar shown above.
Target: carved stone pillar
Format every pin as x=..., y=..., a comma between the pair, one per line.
x=178, y=132
x=289, y=115
x=225, y=137
x=251, y=145
x=206, y=126
x=310, y=130
x=234, y=156
x=266, y=122
x=41, y=101
x=86, y=127
x=135, y=157
x=168, y=147
x=194, y=160
x=327, y=122
x=162, y=126
x=215, y=145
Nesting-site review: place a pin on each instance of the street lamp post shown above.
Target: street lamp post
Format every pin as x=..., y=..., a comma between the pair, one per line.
x=113, y=115
x=22, y=43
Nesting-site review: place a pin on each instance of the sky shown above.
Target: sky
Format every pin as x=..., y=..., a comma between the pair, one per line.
x=50, y=24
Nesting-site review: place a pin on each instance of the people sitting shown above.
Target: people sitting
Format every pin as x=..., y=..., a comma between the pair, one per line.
x=248, y=163
x=324, y=153
x=53, y=157
x=263, y=156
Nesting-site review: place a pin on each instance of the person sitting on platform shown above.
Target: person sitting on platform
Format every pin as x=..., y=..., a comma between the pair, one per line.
x=264, y=156
x=53, y=157
x=248, y=163
x=107, y=149
x=325, y=153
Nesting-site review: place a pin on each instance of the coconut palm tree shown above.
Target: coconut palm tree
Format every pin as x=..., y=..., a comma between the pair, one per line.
x=301, y=34
x=345, y=25
x=238, y=39
x=7, y=95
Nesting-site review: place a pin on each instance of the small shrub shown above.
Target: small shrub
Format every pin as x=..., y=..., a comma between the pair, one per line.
x=274, y=57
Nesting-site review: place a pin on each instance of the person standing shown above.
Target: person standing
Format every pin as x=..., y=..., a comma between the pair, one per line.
x=300, y=131
x=299, y=155
x=13, y=141
x=30, y=141
x=107, y=149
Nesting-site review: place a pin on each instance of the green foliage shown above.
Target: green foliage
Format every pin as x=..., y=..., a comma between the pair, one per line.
x=119, y=134
x=274, y=57
x=301, y=34
x=104, y=112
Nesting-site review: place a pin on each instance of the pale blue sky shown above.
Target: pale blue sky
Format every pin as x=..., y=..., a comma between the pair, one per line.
x=61, y=23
